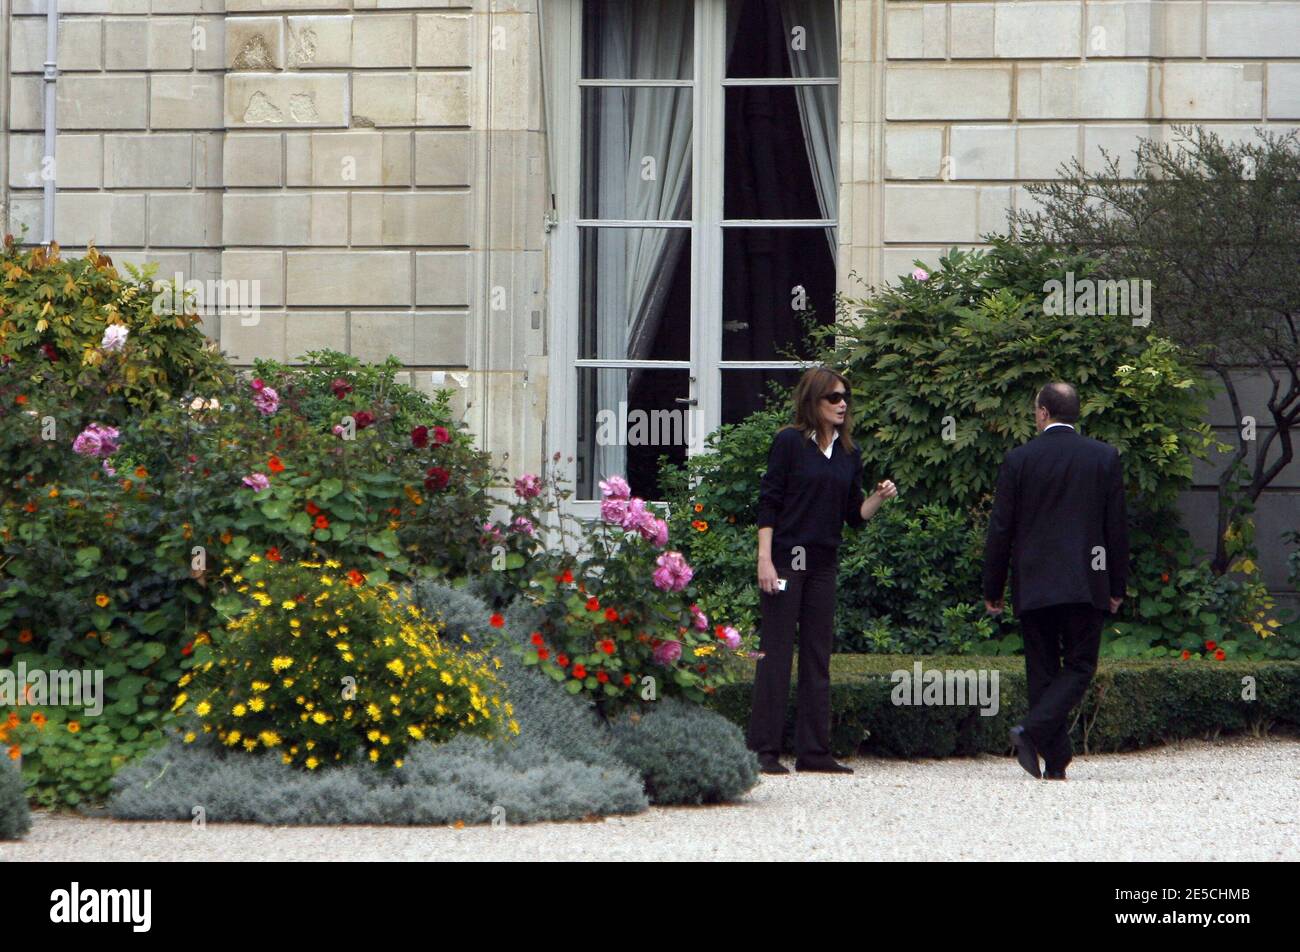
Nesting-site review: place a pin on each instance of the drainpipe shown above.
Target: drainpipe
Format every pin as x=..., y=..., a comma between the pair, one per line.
x=5, y=20
x=51, y=78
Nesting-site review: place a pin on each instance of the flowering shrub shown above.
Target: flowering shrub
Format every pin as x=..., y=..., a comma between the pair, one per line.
x=325, y=666
x=627, y=625
x=63, y=317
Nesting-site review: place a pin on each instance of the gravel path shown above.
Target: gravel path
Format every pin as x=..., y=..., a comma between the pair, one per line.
x=1226, y=800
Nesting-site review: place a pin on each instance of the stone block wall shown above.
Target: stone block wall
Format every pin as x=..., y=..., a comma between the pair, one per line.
x=373, y=169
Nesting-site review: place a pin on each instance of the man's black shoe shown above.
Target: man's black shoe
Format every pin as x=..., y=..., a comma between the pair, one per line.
x=822, y=766
x=771, y=765
x=1026, y=752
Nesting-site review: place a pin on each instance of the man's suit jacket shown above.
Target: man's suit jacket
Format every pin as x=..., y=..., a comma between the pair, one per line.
x=1059, y=503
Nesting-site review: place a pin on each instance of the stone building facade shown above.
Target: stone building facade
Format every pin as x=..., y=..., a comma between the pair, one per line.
x=412, y=177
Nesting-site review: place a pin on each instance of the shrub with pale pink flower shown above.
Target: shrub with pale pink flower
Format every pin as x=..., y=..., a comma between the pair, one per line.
x=114, y=338
x=257, y=481
x=528, y=486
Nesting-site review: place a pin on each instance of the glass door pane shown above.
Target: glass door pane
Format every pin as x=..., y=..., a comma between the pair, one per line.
x=638, y=39
x=635, y=295
x=636, y=153
x=627, y=420
x=781, y=39
x=777, y=283
x=781, y=146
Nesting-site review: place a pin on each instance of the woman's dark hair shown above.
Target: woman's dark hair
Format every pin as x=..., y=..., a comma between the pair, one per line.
x=1061, y=401
x=807, y=398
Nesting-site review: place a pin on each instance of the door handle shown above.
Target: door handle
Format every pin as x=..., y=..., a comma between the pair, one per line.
x=687, y=401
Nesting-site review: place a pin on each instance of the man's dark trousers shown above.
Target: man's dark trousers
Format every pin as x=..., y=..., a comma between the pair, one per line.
x=1061, y=646
x=809, y=602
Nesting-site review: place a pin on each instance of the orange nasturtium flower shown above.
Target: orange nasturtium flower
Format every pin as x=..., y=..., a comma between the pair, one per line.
x=102, y=600
x=73, y=727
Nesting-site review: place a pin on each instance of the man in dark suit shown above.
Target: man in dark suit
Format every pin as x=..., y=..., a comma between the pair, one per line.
x=1058, y=524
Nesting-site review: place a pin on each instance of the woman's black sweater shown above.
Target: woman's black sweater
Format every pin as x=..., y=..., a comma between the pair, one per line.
x=806, y=498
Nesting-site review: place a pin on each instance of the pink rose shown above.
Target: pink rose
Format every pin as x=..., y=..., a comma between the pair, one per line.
x=528, y=486
x=673, y=573
x=615, y=487
x=256, y=481
x=667, y=652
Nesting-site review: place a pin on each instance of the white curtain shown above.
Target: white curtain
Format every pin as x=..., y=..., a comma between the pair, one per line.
x=640, y=40
x=818, y=112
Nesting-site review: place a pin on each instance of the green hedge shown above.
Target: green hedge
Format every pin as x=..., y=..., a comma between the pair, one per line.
x=1131, y=704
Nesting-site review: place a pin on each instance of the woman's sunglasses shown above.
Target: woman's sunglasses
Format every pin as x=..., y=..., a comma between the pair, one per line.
x=835, y=397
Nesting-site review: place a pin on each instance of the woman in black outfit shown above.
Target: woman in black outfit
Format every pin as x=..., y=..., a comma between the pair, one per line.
x=813, y=485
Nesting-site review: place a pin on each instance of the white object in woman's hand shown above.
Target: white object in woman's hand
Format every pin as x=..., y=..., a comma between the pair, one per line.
x=767, y=578
x=886, y=489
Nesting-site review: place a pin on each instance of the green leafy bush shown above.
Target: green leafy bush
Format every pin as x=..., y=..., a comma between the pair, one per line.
x=944, y=372
x=686, y=754
x=54, y=312
x=15, y=818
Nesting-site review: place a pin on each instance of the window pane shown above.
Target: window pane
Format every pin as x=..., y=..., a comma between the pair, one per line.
x=627, y=419
x=637, y=39
x=636, y=153
x=782, y=38
x=635, y=294
x=748, y=391
x=776, y=283
x=781, y=147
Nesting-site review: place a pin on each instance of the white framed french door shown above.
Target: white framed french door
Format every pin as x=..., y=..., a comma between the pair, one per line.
x=693, y=145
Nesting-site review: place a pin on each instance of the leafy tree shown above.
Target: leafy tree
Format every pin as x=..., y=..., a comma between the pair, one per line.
x=1215, y=227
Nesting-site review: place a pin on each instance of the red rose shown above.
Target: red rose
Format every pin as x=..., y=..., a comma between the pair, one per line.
x=611, y=615
x=49, y=352
x=363, y=419
x=340, y=387
x=579, y=671
x=496, y=621
x=436, y=478
x=441, y=435
x=1219, y=655
x=536, y=638
x=627, y=680
x=274, y=465
x=593, y=604
x=1211, y=645
x=273, y=554
x=542, y=654
x=420, y=437
x=322, y=522
x=567, y=577
x=562, y=660
x=607, y=646
x=602, y=677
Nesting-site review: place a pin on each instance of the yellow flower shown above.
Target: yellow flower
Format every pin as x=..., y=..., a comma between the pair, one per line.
x=180, y=701
x=396, y=667
x=374, y=712
x=203, y=709
x=261, y=686
x=281, y=664
x=320, y=717
x=250, y=744
x=415, y=732
x=270, y=738
x=239, y=710
x=256, y=705
x=190, y=737
x=312, y=763
x=102, y=600
x=288, y=604
x=372, y=736
x=374, y=755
